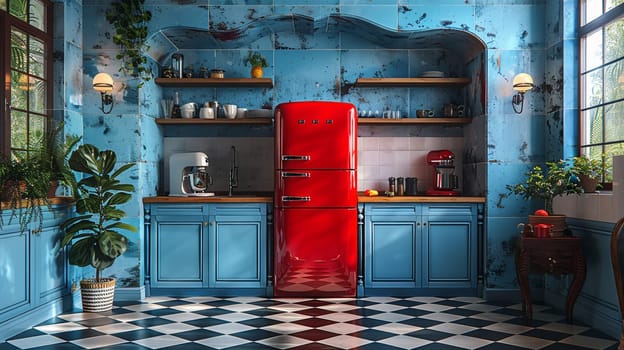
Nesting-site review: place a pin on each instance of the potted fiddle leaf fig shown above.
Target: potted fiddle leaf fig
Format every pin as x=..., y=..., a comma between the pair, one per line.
x=546, y=183
x=94, y=235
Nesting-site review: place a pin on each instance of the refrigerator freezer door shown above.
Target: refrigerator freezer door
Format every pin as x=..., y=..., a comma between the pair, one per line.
x=316, y=188
x=316, y=135
x=315, y=252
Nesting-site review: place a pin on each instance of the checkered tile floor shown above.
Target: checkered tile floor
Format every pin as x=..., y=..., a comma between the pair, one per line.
x=377, y=323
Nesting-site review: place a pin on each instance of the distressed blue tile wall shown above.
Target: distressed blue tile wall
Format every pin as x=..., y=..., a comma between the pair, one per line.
x=313, y=55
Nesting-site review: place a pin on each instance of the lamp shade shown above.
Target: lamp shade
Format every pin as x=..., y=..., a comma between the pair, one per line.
x=103, y=82
x=523, y=82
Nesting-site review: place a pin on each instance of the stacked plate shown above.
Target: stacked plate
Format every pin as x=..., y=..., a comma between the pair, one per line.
x=432, y=74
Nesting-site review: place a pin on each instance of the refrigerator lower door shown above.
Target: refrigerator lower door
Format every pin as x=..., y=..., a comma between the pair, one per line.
x=315, y=252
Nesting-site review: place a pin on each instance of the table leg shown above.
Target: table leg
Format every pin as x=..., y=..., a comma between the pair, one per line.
x=576, y=286
x=522, y=273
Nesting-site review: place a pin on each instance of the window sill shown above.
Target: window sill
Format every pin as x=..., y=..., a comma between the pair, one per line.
x=604, y=206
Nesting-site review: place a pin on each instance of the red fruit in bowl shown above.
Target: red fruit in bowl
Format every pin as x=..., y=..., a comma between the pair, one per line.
x=541, y=212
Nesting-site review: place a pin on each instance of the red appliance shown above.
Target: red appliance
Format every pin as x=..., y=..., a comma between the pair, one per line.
x=315, y=213
x=445, y=181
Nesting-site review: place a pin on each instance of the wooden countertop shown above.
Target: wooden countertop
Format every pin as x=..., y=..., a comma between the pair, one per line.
x=236, y=198
x=420, y=199
x=268, y=198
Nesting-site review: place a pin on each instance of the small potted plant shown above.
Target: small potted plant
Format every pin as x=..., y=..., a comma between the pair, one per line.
x=257, y=62
x=589, y=172
x=556, y=179
x=94, y=235
x=24, y=189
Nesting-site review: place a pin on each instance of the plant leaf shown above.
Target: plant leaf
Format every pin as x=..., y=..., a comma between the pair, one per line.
x=112, y=244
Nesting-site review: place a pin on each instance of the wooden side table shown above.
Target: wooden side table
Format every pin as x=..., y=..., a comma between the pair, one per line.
x=560, y=255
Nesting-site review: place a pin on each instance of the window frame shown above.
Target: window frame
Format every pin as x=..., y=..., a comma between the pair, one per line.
x=584, y=30
x=7, y=22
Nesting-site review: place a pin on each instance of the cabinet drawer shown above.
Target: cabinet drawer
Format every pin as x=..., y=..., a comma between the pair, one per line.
x=392, y=210
x=446, y=210
x=179, y=210
x=238, y=209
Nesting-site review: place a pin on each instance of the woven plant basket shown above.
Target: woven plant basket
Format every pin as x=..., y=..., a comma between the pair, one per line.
x=558, y=222
x=97, y=296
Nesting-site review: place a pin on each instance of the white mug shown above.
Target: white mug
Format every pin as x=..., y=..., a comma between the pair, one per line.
x=206, y=113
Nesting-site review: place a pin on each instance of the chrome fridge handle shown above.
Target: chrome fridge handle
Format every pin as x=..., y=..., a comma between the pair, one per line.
x=295, y=198
x=289, y=174
x=287, y=157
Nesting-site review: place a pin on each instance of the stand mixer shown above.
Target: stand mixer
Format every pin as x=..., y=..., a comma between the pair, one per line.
x=188, y=174
x=445, y=181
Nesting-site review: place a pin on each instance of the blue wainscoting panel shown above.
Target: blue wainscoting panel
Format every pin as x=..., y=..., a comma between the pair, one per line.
x=14, y=271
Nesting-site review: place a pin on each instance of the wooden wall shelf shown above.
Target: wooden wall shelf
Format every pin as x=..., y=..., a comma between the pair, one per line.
x=223, y=82
x=403, y=121
x=198, y=121
x=406, y=82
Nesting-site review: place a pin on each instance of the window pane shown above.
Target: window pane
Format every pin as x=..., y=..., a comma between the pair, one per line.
x=19, y=95
x=613, y=122
x=613, y=3
x=37, y=96
x=614, y=45
x=37, y=130
x=19, y=9
x=19, y=50
x=37, y=14
x=593, y=50
x=611, y=151
x=593, y=9
x=593, y=88
x=19, y=130
x=36, y=58
x=614, y=81
x=3, y=5
x=592, y=126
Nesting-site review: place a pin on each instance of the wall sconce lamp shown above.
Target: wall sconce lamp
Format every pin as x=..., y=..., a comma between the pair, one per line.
x=103, y=83
x=522, y=83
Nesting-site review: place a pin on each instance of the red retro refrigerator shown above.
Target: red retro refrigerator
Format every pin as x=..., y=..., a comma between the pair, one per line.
x=315, y=212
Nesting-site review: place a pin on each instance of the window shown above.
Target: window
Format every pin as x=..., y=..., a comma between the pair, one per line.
x=602, y=80
x=27, y=65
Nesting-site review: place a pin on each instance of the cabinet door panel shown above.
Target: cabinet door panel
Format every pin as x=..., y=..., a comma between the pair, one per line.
x=179, y=252
x=391, y=253
x=236, y=253
x=450, y=253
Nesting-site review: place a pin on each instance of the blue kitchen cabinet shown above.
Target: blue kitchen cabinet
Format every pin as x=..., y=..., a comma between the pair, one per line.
x=179, y=246
x=414, y=249
x=392, y=246
x=238, y=246
x=449, y=245
x=207, y=248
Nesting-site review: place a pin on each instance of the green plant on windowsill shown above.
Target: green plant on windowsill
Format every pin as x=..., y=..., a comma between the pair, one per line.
x=556, y=179
x=589, y=171
x=130, y=19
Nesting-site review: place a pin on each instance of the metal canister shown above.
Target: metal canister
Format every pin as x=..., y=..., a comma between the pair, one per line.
x=391, y=184
x=411, y=186
x=400, y=186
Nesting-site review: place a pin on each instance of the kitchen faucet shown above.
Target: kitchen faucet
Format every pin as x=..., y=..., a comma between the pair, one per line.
x=233, y=178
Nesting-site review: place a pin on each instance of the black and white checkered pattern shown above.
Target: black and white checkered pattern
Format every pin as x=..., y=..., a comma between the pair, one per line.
x=377, y=323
